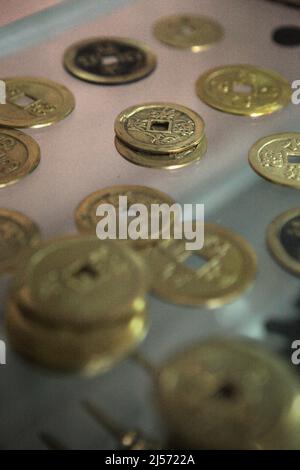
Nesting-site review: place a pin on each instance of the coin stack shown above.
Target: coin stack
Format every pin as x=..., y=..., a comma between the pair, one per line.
x=160, y=135
x=78, y=304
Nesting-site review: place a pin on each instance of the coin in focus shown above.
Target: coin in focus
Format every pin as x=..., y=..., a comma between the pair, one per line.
x=188, y=31
x=229, y=268
x=109, y=60
x=229, y=393
x=244, y=90
x=35, y=102
x=86, y=218
x=283, y=239
x=277, y=158
x=17, y=233
x=19, y=156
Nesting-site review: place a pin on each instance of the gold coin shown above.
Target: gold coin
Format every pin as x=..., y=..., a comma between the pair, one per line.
x=170, y=161
x=85, y=215
x=17, y=233
x=159, y=128
x=229, y=394
x=88, y=350
x=229, y=269
x=188, y=31
x=109, y=60
x=283, y=238
x=19, y=156
x=244, y=90
x=70, y=276
x=277, y=157
x=35, y=102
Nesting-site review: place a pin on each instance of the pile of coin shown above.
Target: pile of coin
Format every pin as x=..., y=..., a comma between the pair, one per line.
x=78, y=304
x=160, y=135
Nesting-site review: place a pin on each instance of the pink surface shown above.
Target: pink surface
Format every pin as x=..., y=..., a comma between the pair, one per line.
x=12, y=10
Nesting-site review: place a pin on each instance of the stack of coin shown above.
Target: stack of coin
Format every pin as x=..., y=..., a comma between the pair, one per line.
x=229, y=394
x=78, y=304
x=160, y=135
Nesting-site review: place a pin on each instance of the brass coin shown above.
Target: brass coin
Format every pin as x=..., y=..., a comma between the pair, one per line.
x=19, y=156
x=229, y=269
x=283, y=238
x=244, y=90
x=277, y=157
x=229, y=394
x=188, y=31
x=109, y=60
x=85, y=215
x=159, y=128
x=85, y=274
x=170, y=161
x=89, y=350
x=17, y=233
x=35, y=102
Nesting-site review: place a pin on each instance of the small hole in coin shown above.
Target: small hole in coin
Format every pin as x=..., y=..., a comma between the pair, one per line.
x=109, y=60
x=242, y=88
x=226, y=391
x=187, y=29
x=294, y=159
x=287, y=36
x=161, y=126
x=86, y=272
x=194, y=262
x=24, y=101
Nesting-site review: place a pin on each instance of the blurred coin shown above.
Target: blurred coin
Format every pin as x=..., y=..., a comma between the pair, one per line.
x=277, y=157
x=19, y=156
x=244, y=90
x=283, y=238
x=109, y=60
x=188, y=31
x=35, y=102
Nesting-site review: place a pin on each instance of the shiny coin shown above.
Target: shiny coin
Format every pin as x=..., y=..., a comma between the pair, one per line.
x=229, y=394
x=230, y=267
x=19, y=156
x=35, y=102
x=86, y=218
x=283, y=238
x=244, y=89
x=78, y=280
x=170, y=160
x=188, y=31
x=159, y=128
x=109, y=60
x=17, y=233
x=277, y=157
x=88, y=350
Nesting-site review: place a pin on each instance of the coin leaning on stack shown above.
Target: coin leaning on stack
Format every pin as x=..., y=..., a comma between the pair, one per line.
x=160, y=135
x=78, y=304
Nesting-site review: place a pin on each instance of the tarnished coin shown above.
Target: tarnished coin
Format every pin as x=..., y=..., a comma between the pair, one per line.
x=283, y=238
x=35, y=102
x=230, y=267
x=244, y=89
x=109, y=60
x=17, y=233
x=277, y=158
x=78, y=280
x=19, y=155
x=188, y=31
x=159, y=128
x=229, y=394
x=170, y=161
x=86, y=218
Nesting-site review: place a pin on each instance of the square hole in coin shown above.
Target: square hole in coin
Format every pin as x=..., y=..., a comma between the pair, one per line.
x=109, y=60
x=294, y=159
x=86, y=271
x=24, y=101
x=242, y=88
x=160, y=126
x=194, y=262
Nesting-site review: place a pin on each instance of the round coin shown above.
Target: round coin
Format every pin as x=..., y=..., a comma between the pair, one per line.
x=229, y=269
x=17, y=233
x=109, y=60
x=35, y=102
x=244, y=90
x=277, y=157
x=19, y=156
x=283, y=239
x=159, y=128
x=170, y=161
x=188, y=31
x=86, y=218
x=229, y=394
